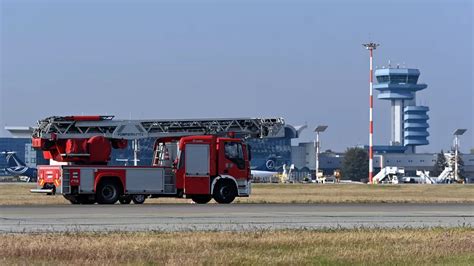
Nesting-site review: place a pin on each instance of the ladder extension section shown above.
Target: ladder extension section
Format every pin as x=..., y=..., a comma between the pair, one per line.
x=70, y=127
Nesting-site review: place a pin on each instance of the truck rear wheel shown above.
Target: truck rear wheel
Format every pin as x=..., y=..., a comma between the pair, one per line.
x=107, y=192
x=72, y=199
x=201, y=199
x=225, y=191
x=138, y=199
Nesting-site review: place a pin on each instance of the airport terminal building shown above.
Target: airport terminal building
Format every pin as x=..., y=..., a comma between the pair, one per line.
x=21, y=144
x=303, y=157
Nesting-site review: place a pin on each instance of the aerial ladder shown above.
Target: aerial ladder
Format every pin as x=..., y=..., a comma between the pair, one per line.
x=89, y=126
x=212, y=160
x=89, y=139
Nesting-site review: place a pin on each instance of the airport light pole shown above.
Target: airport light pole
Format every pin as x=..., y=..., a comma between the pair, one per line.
x=458, y=132
x=371, y=47
x=318, y=129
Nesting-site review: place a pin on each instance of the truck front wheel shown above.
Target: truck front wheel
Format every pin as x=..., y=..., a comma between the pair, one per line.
x=201, y=199
x=107, y=192
x=225, y=191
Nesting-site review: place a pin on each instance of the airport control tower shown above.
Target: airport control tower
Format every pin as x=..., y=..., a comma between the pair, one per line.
x=409, y=121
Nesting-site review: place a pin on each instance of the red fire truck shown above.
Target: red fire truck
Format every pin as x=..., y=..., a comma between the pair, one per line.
x=207, y=161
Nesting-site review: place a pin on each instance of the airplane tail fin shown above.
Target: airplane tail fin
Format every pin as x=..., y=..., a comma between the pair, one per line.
x=13, y=160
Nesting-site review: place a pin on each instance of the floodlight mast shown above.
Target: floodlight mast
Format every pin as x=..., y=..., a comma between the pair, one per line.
x=458, y=132
x=318, y=129
x=371, y=47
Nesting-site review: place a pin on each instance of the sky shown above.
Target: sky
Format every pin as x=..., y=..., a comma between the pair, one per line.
x=300, y=60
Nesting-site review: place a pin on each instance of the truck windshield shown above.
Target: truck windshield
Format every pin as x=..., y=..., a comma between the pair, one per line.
x=233, y=151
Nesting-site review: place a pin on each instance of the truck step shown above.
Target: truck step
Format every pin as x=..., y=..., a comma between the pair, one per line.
x=42, y=190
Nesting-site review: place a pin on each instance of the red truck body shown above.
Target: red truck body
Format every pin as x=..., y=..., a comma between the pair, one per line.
x=206, y=167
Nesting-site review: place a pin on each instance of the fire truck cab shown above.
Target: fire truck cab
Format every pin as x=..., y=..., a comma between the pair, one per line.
x=212, y=167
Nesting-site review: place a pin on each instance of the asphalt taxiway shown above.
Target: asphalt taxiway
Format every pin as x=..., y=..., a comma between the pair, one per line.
x=234, y=217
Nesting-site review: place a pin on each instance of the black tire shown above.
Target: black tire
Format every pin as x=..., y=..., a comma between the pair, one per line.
x=80, y=199
x=125, y=199
x=225, y=191
x=107, y=192
x=86, y=199
x=74, y=202
x=138, y=199
x=49, y=186
x=72, y=199
x=201, y=199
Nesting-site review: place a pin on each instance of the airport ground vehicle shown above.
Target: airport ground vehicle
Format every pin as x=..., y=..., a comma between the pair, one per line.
x=208, y=163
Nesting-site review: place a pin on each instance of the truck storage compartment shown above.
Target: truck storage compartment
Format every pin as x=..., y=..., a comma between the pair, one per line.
x=145, y=180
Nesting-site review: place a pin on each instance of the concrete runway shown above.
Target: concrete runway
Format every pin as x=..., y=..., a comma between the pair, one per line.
x=235, y=217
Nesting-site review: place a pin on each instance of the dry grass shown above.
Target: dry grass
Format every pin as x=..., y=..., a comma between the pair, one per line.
x=344, y=247
x=360, y=193
x=18, y=194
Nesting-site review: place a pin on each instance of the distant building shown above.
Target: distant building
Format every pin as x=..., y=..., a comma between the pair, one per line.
x=269, y=154
x=303, y=157
x=24, y=151
x=409, y=122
